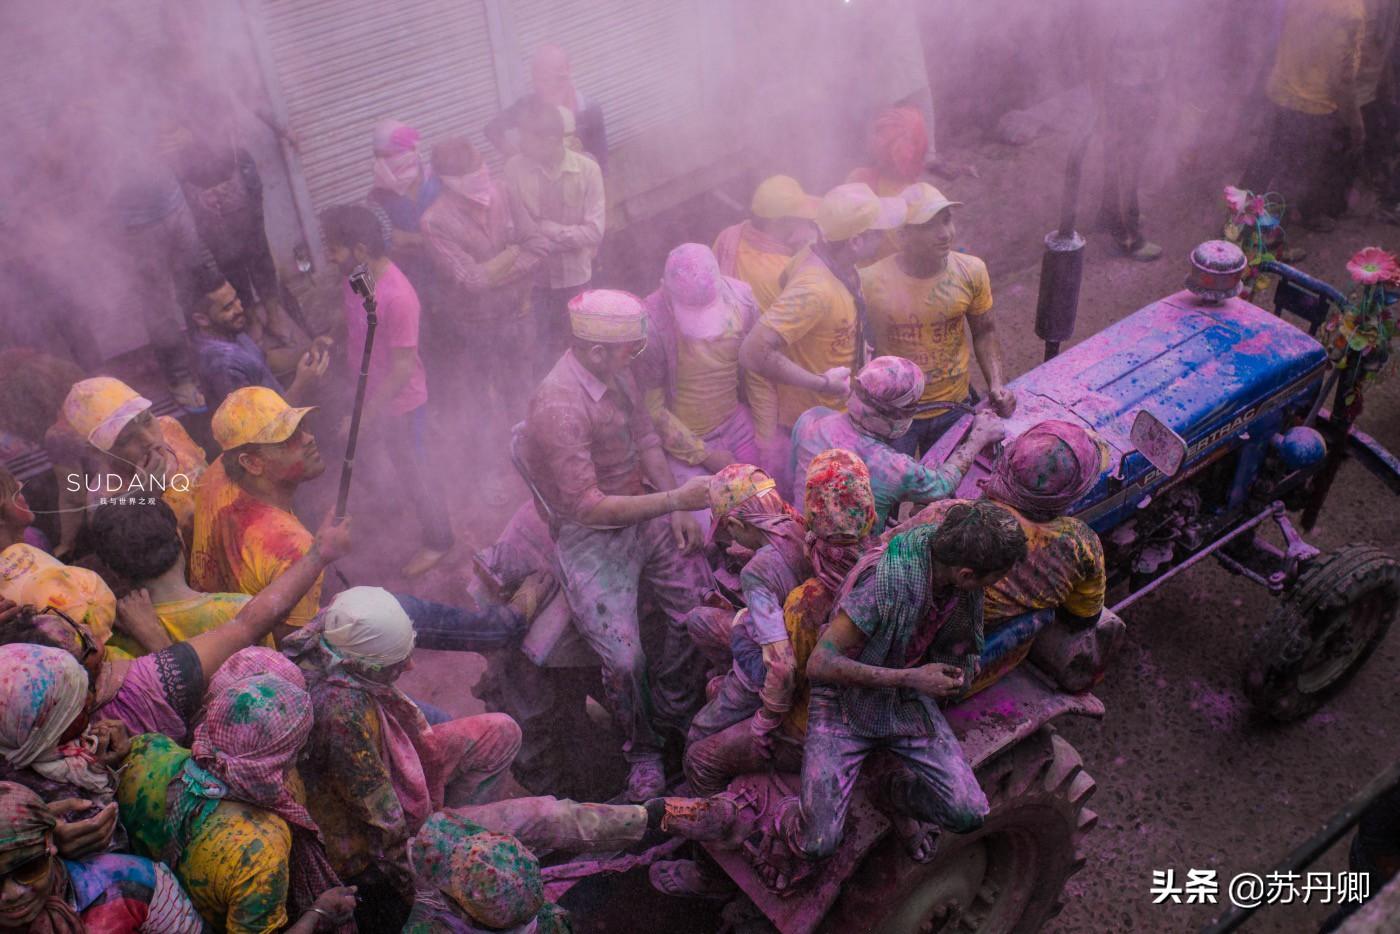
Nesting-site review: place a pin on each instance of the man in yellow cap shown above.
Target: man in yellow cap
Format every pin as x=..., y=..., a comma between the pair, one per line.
x=107, y=444
x=806, y=340
x=592, y=452
x=245, y=533
x=919, y=299
x=756, y=251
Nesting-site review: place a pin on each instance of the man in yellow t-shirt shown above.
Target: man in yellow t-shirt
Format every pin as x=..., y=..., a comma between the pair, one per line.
x=1317, y=127
x=918, y=301
x=806, y=341
x=756, y=252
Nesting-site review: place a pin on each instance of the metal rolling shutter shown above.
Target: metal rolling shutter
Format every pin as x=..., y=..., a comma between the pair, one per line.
x=639, y=60
x=344, y=65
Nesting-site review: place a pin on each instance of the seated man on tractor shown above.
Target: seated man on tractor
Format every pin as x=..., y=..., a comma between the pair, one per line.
x=1037, y=478
x=884, y=400
x=591, y=450
x=906, y=632
x=757, y=718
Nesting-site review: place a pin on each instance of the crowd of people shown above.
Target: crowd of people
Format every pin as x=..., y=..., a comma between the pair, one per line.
x=763, y=454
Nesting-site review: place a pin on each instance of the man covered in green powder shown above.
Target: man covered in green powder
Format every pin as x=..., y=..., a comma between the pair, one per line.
x=907, y=632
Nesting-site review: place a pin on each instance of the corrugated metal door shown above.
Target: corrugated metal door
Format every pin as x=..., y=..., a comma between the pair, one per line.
x=344, y=65
x=639, y=60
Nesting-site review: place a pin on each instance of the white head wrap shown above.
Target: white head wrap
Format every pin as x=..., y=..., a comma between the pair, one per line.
x=367, y=624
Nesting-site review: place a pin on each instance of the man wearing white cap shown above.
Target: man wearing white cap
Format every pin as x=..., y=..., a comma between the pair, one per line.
x=592, y=452
x=918, y=300
x=806, y=341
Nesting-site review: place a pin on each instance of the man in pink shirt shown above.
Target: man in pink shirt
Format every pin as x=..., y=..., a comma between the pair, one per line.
x=395, y=413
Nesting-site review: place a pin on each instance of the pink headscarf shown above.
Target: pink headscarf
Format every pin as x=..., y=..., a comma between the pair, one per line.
x=1047, y=469
x=884, y=395
x=252, y=733
x=840, y=514
x=250, y=662
x=692, y=281
x=397, y=161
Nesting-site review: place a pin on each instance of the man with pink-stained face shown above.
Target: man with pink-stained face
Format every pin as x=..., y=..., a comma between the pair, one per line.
x=552, y=79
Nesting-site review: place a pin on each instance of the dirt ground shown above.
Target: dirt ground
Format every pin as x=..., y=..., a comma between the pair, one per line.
x=1186, y=778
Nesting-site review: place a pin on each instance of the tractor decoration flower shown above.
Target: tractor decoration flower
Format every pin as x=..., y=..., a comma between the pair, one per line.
x=1360, y=333
x=1252, y=223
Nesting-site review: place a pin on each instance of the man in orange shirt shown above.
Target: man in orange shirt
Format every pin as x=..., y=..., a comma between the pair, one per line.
x=806, y=340
x=245, y=533
x=918, y=300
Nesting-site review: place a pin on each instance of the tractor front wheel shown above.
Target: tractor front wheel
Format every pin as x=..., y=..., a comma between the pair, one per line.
x=1006, y=877
x=1323, y=631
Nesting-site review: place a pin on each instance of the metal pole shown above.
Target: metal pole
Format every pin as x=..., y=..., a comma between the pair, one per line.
x=360, y=282
x=1274, y=509
x=1318, y=843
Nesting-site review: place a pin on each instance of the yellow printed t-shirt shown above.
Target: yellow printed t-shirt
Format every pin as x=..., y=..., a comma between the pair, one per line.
x=1319, y=51
x=1063, y=567
x=816, y=317
x=185, y=619
x=234, y=866
x=241, y=544
x=707, y=391
x=763, y=271
x=922, y=319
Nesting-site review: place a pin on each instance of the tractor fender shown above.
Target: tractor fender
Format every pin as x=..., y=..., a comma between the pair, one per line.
x=987, y=724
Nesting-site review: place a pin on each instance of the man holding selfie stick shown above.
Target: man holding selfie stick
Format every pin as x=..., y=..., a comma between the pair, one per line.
x=391, y=400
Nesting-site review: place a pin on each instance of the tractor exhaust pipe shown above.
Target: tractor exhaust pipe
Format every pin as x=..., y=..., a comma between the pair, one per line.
x=1062, y=267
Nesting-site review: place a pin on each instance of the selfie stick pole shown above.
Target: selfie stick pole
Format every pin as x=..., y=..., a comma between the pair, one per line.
x=361, y=283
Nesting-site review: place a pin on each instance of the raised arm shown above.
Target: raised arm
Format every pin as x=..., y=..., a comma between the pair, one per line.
x=262, y=613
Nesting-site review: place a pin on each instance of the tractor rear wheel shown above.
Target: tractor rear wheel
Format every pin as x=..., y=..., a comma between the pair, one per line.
x=1006, y=877
x=1323, y=631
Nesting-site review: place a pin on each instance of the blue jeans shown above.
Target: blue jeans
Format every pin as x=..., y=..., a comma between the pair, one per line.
x=925, y=432
x=447, y=628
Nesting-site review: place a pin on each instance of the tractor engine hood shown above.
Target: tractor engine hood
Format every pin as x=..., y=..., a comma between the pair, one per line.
x=1198, y=368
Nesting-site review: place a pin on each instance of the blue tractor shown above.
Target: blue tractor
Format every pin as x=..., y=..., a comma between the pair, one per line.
x=1214, y=411
x=1215, y=415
